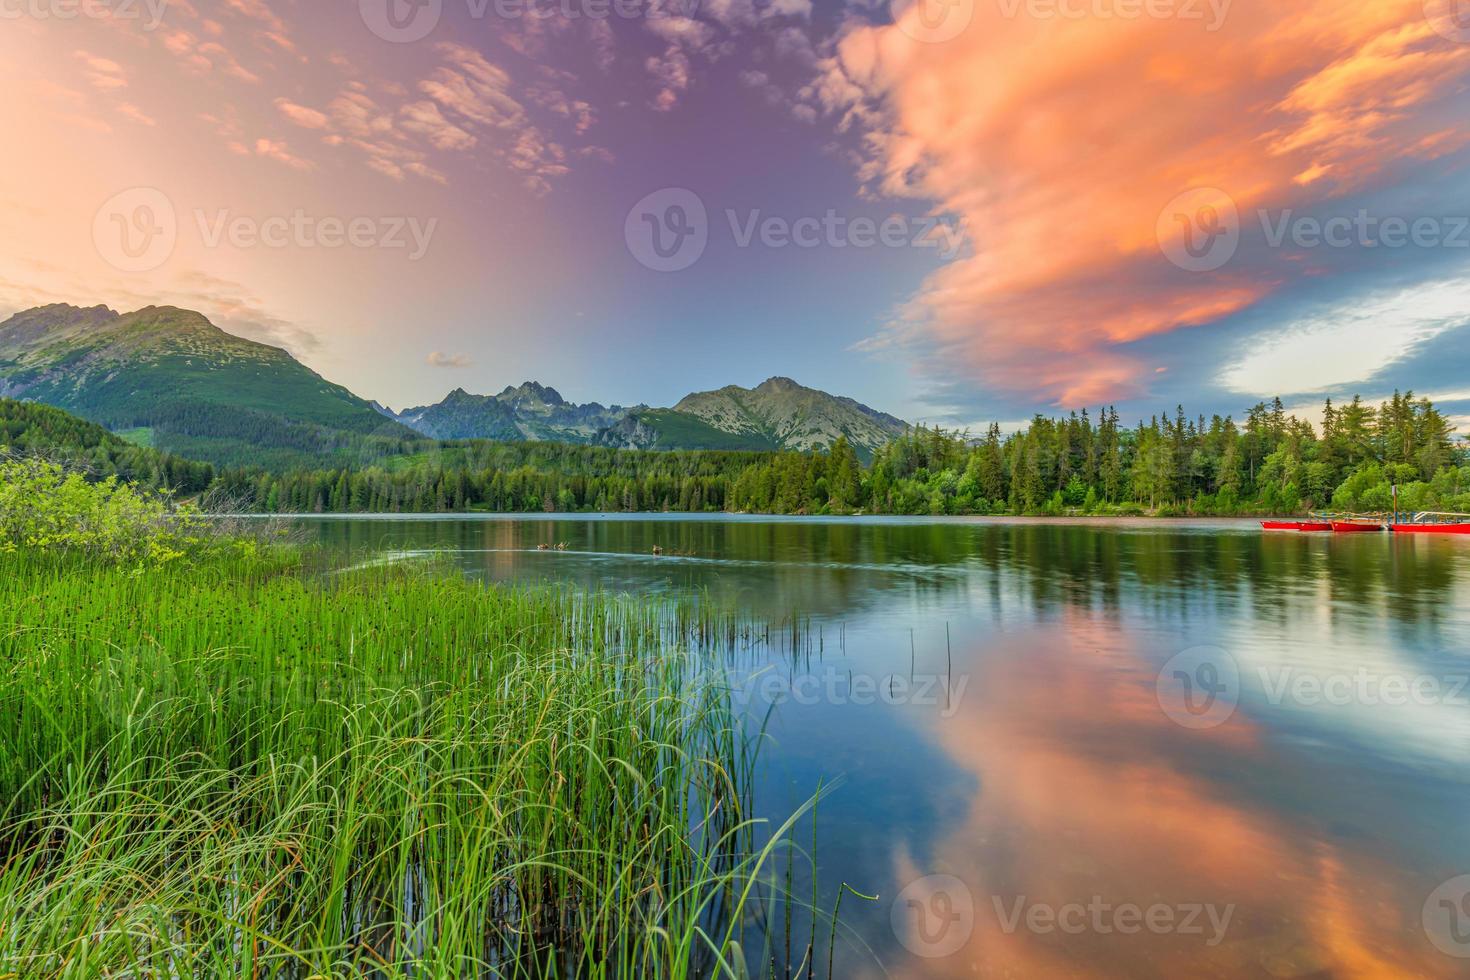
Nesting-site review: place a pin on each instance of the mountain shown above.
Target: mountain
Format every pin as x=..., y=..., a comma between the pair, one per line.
x=462, y=415
x=530, y=411
x=664, y=428
x=776, y=414
x=169, y=378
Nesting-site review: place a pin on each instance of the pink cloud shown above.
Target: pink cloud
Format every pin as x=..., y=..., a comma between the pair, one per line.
x=278, y=150
x=1059, y=141
x=672, y=72
x=137, y=115
x=301, y=115
x=425, y=119
x=259, y=11
x=102, y=73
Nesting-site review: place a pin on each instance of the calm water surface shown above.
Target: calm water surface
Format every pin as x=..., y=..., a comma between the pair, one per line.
x=1082, y=750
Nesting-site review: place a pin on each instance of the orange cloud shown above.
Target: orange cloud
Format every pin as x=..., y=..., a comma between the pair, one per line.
x=1059, y=140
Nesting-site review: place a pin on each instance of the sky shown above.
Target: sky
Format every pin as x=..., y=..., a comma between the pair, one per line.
x=957, y=211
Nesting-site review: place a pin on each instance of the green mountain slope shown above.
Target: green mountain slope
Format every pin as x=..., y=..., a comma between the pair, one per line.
x=462, y=415
x=31, y=429
x=665, y=428
x=169, y=379
x=197, y=390
x=778, y=414
x=791, y=416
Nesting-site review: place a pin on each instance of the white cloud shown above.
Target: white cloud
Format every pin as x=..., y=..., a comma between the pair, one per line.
x=1349, y=343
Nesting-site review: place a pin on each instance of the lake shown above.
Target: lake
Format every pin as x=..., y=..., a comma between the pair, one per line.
x=1131, y=749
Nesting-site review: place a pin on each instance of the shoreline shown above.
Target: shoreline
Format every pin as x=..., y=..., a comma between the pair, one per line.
x=747, y=518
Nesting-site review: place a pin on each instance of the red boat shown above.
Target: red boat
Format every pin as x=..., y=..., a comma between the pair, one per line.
x=1430, y=528
x=1350, y=527
x=1296, y=526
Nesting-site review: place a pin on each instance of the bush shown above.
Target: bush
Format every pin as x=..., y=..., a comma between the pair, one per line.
x=45, y=507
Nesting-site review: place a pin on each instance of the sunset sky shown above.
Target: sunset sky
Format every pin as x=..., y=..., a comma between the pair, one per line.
x=1078, y=201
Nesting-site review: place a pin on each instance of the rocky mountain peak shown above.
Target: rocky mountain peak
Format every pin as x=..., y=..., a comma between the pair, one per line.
x=532, y=391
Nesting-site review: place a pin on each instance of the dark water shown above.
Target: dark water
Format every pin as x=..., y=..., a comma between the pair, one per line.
x=1129, y=750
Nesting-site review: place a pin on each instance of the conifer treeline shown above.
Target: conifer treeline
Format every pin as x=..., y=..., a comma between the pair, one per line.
x=1269, y=463
x=29, y=428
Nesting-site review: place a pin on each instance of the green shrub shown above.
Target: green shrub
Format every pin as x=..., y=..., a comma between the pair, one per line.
x=45, y=507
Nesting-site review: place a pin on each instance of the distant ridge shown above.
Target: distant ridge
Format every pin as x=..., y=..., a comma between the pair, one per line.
x=171, y=379
x=793, y=416
x=777, y=414
x=168, y=378
x=528, y=411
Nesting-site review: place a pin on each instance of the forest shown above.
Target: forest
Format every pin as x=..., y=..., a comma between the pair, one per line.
x=1269, y=463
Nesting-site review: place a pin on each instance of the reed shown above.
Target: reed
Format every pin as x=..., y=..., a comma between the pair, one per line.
x=242, y=769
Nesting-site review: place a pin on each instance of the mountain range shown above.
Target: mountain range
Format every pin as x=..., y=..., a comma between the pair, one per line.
x=776, y=414
x=168, y=378
x=530, y=411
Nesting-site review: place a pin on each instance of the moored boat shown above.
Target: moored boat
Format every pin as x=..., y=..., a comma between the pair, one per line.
x=1346, y=523
x=1459, y=528
x=1432, y=522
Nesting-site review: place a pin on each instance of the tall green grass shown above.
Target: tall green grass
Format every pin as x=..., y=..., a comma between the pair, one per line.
x=238, y=769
